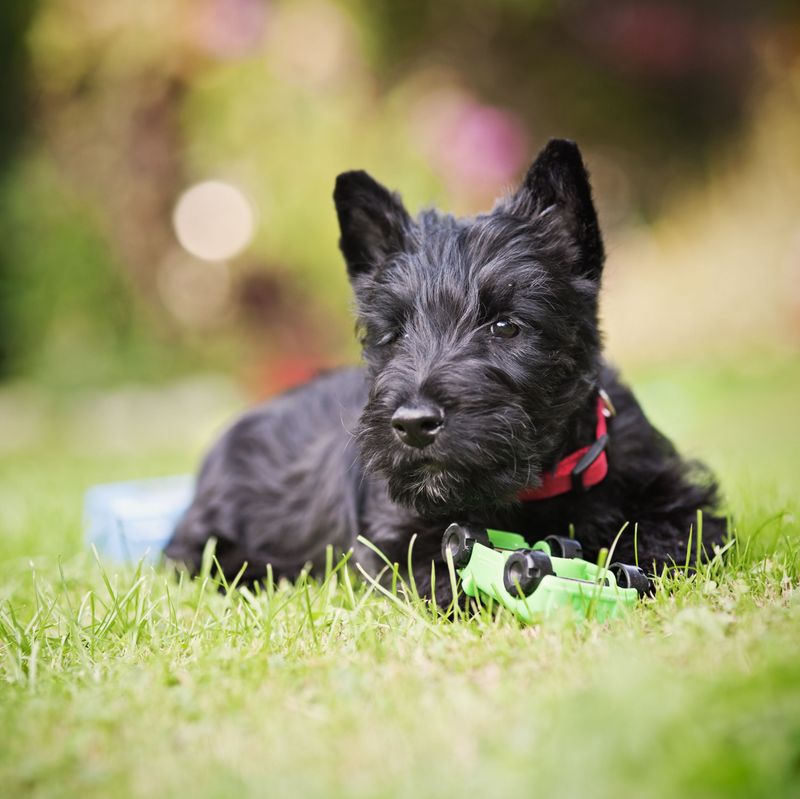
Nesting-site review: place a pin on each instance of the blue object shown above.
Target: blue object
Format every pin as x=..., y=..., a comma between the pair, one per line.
x=134, y=520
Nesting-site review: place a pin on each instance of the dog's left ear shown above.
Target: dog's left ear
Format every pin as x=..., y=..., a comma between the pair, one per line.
x=558, y=183
x=373, y=222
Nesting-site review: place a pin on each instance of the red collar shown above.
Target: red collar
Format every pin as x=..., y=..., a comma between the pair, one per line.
x=581, y=469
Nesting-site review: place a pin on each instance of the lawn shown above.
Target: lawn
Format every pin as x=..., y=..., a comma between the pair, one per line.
x=125, y=682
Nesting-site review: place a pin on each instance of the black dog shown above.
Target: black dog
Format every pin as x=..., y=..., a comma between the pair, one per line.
x=483, y=390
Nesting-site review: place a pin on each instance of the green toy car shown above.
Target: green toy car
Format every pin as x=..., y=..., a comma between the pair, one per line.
x=535, y=581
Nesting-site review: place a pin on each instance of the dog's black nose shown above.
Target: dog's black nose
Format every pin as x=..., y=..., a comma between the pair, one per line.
x=417, y=425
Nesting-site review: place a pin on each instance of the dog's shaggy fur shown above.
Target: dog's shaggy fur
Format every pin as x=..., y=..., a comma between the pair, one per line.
x=492, y=322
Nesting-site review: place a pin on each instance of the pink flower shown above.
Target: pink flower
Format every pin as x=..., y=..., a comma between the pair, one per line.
x=231, y=28
x=474, y=146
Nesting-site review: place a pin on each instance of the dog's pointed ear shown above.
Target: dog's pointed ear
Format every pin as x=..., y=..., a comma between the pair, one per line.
x=558, y=183
x=372, y=220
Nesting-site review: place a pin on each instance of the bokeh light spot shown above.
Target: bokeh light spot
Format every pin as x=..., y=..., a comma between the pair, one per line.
x=213, y=220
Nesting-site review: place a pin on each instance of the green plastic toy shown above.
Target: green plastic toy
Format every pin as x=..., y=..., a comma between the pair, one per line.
x=535, y=581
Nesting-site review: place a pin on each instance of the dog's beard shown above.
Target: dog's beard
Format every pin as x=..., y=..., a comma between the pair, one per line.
x=470, y=473
x=441, y=491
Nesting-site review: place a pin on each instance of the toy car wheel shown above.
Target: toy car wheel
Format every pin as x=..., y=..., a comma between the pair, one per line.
x=459, y=539
x=524, y=570
x=628, y=576
x=563, y=547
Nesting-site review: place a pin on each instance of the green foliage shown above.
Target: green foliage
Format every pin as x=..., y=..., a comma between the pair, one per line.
x=122, y=107
x=285, y=144
x=66, y=292
x=70, y=317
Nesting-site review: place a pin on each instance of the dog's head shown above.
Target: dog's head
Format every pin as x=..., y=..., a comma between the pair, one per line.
x=480, y=335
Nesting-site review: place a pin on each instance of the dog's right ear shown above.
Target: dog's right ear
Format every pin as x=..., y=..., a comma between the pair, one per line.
x=372, y=220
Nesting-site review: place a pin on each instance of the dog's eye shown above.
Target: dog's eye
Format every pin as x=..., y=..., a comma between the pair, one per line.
x=504, y=328
x=389, y=338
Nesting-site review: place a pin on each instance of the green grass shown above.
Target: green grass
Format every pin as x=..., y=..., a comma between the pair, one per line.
x=124, y=682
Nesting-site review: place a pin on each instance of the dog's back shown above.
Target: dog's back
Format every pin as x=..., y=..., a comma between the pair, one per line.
x=281, y=484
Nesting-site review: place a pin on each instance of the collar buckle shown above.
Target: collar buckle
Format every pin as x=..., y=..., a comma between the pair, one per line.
x=588, y=458
x=608, y=406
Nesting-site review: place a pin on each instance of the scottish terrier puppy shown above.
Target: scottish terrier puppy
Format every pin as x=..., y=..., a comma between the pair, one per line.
x=484, y=399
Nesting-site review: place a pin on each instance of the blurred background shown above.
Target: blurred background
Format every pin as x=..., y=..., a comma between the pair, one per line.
x=167, y=235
